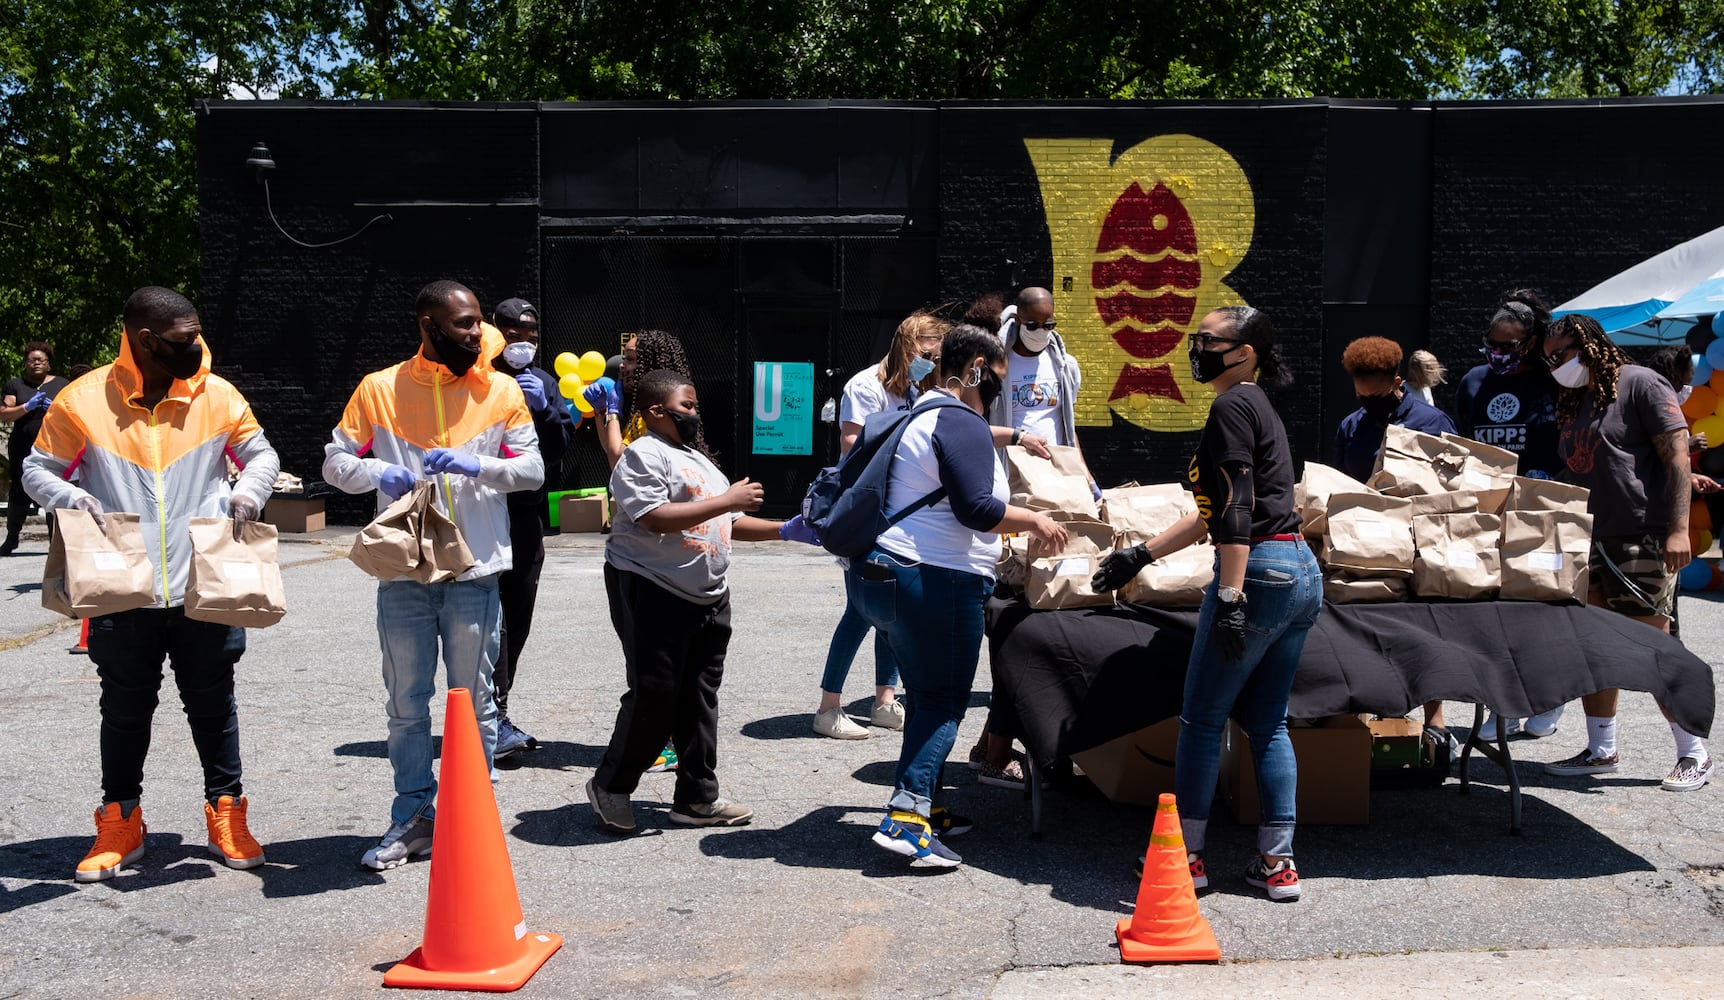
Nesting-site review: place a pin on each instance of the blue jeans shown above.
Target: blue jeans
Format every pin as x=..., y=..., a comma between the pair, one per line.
x=931, y=619
x=1283, y=594
x=846, y=640
x=412, y=618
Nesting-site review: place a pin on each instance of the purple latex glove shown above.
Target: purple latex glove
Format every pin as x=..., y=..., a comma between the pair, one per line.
x=798, y=530
x=40, y=401
x=439, y=460
x=534, y=390
x=396, y=481
x=604, y=396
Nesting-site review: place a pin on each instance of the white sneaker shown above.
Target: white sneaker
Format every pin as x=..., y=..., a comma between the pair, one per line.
x=838, y=725
x=1488, y=731
x=888, y=715
x=1544, y=723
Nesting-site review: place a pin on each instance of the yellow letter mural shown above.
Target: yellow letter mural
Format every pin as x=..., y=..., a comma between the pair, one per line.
x=1142, y=246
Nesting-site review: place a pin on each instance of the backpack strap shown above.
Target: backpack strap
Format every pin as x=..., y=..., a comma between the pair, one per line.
x=939, y=493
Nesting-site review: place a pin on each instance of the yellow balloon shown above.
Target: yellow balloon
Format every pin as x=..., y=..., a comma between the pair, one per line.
x=585, y=407
x=567, y=364
x=1700, y=541
x=1712, y=427
x=570, y=385
x=591, y=366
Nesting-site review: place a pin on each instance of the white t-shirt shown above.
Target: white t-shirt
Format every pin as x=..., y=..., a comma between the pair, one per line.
x=933, y=534
x=1033, y=387
x=865, y=395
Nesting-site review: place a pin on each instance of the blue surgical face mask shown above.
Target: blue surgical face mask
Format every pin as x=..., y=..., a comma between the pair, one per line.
x=919, y=368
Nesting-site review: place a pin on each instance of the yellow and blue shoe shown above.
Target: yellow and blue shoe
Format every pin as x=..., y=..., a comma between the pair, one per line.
x=666, y=760
x=908, y=834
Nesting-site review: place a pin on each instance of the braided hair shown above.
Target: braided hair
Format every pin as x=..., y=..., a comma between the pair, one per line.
x=656, y=350
x=1603, y=361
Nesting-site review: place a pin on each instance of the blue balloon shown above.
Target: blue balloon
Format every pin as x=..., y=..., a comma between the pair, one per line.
x=1715, y=354
x=1697, y=575
x=1702, y=370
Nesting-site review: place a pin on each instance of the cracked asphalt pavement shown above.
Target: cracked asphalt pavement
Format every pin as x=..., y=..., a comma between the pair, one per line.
x=799, y=903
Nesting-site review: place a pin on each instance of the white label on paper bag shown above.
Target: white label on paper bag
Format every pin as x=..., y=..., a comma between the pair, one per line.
x=108, y=562
x=1463, y=559
x=1072, y=567
x=238, y=571
x=1474, y=477
x=1545, y=560
x=1372, y=529
x=1148, y=500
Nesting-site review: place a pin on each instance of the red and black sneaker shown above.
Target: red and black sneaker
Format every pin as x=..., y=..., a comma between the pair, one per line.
x=1280, y=882
x=1199, y=877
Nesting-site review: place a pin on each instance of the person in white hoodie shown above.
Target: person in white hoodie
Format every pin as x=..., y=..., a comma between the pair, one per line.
x=440, y=414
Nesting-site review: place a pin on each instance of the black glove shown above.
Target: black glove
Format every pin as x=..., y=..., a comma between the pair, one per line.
x=1119, y=567
x=1229, y=629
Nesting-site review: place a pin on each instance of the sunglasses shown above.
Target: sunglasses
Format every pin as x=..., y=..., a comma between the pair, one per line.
x=1203, y=341
x=1033, y=325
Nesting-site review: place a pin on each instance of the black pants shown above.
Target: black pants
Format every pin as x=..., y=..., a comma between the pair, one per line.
x=518, y=591
x=17, y=501
x=129, y=649
x=674, y=650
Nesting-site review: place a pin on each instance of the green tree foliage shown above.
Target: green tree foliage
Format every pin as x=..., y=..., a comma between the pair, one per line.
x=97, y=186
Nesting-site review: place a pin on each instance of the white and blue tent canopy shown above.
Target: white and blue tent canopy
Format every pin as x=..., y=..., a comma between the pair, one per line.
x=1658, y=300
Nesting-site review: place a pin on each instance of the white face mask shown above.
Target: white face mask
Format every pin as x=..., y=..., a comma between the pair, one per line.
x=1572, y=374
x=1683, y=393
x=520, y=354
x=1034, y=341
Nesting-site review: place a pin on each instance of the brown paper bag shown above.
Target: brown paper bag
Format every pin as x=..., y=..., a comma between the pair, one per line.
x=1040, y=484
x=1345, y=588
x=234, y=582
x=1545, y=555
x=411, y=538
x=1430, y=504
x=1013, y=569
x=1369, y=534
x=1413, y=462
x=1311, y=495
x=1146, y=510
x=1488, y=471
x=89, y=573
x=1526, y=493
x=1458, y=556
x=1177, y=580
x=1061, y=580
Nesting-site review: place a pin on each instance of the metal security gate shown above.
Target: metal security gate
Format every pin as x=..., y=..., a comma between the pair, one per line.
x=833, y=301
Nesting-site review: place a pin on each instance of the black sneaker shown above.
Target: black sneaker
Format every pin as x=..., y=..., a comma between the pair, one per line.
x=946, y=823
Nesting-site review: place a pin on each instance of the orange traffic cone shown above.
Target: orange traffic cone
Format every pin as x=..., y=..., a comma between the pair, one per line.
x=475, y=935
x=1165, y=926
x=83, y=645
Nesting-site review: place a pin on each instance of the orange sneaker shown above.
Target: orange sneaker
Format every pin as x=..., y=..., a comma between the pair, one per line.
x=230, y=839
x=119, y=842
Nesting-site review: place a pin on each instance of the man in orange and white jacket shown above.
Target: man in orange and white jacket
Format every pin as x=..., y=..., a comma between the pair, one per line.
x=151, y=434
x=440, y=414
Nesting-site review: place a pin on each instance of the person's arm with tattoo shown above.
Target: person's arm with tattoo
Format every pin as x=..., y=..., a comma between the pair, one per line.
x=1672, y=447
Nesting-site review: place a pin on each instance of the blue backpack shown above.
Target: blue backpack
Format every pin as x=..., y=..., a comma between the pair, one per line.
x=846, y=503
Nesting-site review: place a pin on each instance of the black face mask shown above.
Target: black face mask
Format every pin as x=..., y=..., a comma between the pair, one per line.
x=1379, y=407
x=1207, y=365
x=988, y=387
x=457, y=357
x=687, y=426
x=182, y=361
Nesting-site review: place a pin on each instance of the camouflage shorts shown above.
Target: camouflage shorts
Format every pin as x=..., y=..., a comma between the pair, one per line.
x=1641, y=560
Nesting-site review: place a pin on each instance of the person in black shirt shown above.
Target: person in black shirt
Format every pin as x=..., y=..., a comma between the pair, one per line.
x=27, y=398
x=1374, y=363
x=1510, y=400
x=1266, y=595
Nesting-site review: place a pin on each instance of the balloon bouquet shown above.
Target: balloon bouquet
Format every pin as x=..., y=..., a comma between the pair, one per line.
x=575, y=372
x=1705, y=412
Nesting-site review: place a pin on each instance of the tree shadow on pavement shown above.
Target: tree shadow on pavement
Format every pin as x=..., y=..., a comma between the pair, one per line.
x=315, y=865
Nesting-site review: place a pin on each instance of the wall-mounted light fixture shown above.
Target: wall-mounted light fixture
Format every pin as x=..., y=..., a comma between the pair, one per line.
x=260, y=162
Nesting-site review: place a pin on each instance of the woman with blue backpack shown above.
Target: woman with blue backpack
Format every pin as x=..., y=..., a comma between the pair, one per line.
x=925, y=578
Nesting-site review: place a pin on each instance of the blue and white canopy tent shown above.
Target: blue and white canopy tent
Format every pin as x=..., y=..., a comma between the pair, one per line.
x=1658, y=300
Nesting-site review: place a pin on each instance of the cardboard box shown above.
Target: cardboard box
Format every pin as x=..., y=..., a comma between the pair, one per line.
x=577, y=514
x=1396, y=743
x=1334, y=757
x=554, y=501
x=294, y=514
x=1136, y=767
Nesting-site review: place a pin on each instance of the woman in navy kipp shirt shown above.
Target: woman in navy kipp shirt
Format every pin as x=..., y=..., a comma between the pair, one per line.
x=924, y=584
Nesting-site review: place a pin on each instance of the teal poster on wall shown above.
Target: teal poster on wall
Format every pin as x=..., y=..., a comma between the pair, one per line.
x=783, y=408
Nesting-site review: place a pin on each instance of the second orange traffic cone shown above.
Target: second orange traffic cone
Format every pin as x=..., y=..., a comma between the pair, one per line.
x=83, y=645
x=1166, y=926
x=475, y=935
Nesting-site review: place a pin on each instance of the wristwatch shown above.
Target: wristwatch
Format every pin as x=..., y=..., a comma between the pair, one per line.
x=1017, y=434
x=1230, y=595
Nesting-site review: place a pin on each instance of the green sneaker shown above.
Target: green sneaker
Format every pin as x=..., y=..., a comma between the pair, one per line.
x=666, y=760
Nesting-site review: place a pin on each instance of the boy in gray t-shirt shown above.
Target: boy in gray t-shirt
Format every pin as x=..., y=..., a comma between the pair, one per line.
x=669, y=548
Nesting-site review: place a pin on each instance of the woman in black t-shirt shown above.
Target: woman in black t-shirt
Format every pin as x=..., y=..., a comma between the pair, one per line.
x=1266, y=595
x=26, y=398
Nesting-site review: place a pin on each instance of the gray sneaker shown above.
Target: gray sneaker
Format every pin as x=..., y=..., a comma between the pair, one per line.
x=721, y=812
x=510, y=740
x=616, y=813
x=402, y=842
